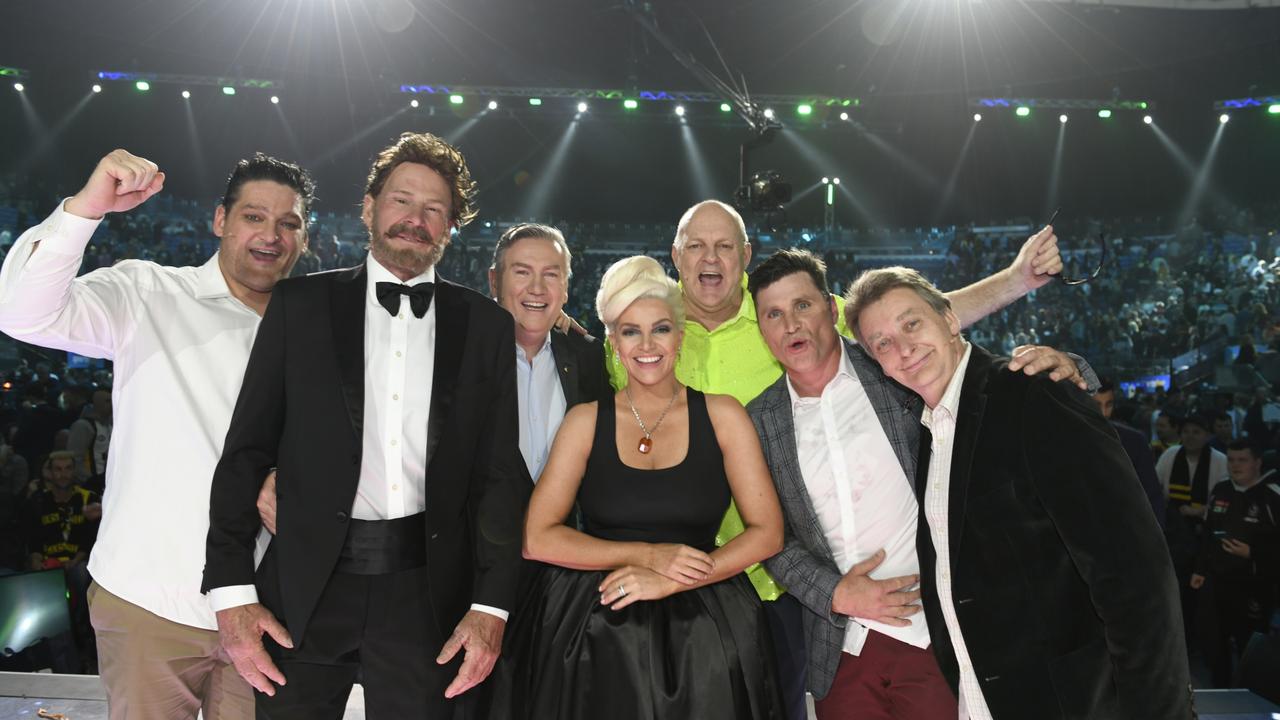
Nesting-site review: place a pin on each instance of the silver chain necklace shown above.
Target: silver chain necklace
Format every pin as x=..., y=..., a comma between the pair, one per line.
x=646, y=442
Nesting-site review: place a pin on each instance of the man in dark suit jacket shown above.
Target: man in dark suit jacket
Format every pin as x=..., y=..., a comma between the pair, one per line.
x=1047, y=587
x=530, y=278
x=1136, y=447
x=387, y=403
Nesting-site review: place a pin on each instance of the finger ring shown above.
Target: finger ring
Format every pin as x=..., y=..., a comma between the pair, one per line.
x=622, y=592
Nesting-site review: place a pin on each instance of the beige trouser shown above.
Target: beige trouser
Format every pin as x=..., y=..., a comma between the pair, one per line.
x=156, y=669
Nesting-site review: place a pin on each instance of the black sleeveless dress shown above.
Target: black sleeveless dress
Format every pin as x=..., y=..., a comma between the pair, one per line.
x=704, y=653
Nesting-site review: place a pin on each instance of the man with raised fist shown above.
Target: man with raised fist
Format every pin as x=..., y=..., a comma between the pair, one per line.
x=180, y=339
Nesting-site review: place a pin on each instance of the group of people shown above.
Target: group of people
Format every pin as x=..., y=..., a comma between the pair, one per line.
x=475, y=510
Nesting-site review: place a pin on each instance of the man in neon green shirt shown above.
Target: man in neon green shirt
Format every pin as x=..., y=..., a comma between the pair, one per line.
x=724, y=352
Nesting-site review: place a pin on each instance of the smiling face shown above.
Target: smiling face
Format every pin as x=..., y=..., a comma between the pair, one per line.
x=409, y=221
x=532, y=284
x=914, y=344
x=710, y=257
x=647, y=340
x=262, y=233
x=797, y=321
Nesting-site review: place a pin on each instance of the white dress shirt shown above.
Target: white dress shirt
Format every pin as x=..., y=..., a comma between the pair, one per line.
x=859, y=491
x=399, y=360
x=941, y=422
x=180, y=343
x=542, y=405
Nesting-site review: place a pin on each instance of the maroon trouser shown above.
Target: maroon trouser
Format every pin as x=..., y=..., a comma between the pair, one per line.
x=890, y=680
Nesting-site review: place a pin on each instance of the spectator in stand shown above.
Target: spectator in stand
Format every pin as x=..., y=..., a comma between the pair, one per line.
x=1166, y=425
x=61, y=518
x=88, y=442
x=1223, y=432
x=1187, y=473
x=1239, y=559
x=1135, y=446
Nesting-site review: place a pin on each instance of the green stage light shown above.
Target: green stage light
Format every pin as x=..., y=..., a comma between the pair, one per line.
x=535, y=101
x=725, y=107
x=1023, y=111
x=805, y=109
x=630, y=104
x=1274, y=109
x=1104, y=113
x=228, y=90
x=1143, y=105
x=142, y=85
x=455, y=99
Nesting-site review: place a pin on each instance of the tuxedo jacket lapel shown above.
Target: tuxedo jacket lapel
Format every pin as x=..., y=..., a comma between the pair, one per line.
x=451, y=337
x=347, y=315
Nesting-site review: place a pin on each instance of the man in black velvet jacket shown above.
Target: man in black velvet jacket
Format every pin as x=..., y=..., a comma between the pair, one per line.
x=1047, y=586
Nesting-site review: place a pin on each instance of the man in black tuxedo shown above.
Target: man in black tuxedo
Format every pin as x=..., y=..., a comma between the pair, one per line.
x=385, y=398
x=1046, y=583
x=555, y=370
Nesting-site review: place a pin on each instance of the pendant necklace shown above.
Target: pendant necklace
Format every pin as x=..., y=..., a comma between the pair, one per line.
x=646, y=442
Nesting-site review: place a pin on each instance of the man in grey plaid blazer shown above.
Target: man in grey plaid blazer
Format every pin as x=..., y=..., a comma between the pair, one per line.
x=879, y=664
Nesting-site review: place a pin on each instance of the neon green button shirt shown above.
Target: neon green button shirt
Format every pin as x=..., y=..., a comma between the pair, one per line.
x=732, y=360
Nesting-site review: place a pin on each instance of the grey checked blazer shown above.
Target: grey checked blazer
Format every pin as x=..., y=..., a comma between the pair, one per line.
x=805, y=566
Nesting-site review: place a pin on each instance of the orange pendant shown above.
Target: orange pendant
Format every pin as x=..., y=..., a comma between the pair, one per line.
x=645, y=446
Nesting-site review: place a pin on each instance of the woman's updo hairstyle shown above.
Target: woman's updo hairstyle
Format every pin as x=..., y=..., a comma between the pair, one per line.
x=636, y=278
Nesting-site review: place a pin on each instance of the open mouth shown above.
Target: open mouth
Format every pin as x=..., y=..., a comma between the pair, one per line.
x=796, y=346
x=648, y=359
x=534, y=306
x=710, y=278
x=264, y=254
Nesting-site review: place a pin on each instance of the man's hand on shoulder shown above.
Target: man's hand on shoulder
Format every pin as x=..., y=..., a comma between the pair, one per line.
x=1036, y=359
x=121, y=182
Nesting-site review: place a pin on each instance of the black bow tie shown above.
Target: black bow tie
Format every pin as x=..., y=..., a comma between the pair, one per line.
x=419, y=296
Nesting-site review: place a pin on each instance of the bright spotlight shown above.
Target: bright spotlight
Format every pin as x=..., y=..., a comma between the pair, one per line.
x=1273, y=109
x=768, y=113
x=826, y=181
x=228, y=90
x=275, y=100
x=725, y=107
x=493, y=104
x=142, y=85
x=97, y=88
x=1104, y=113
x=835, y=181
x=535, y=102
x=413, y=103
x=1062, y=118
x=680, y=110
x=1022, y=111
x=1223, y=118
x=186, y=94
x=977, y=117
x=805, y=109
x=630, y=104
x=455, y=99
x=19, y=86
x=1147, y=119
x=844, y=116
x=582, y=107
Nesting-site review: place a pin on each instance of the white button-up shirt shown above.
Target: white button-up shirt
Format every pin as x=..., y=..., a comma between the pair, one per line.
x=862, y=497
x=399, y=360
x=180, y=343
x=542, y=405
x=941, y=422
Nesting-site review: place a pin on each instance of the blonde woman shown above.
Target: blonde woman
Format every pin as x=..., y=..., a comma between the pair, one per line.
x=639, y=615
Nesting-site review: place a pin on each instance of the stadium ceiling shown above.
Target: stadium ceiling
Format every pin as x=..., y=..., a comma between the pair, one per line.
x=1173, y=4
